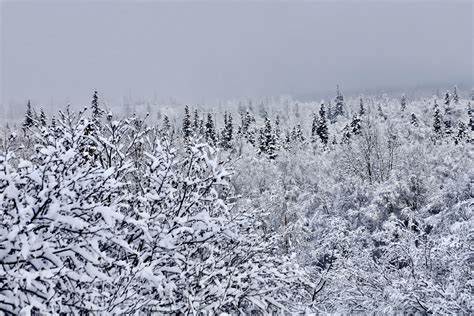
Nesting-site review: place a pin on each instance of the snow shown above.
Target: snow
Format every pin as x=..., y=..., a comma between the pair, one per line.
x=133, y=218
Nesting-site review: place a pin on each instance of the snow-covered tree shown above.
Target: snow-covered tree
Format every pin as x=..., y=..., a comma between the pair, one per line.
x=339, y=104
x=210, y=131
x=322, y=129
x=187, y=128
x=28, y=120
x=455, y=96
x=403, y=103
x=361, y=107
x=267, y=143
x=437, y=121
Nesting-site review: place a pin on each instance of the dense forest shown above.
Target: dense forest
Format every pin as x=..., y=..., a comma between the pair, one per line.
x=270, y=206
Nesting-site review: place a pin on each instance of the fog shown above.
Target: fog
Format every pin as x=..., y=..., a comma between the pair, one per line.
x=56, y=52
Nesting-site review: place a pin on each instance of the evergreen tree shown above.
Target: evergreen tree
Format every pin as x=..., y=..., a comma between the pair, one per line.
x=380, y=111
x=43, y=119
x=403, y=103
x=314, y=128
x=94, y=125
x=210, y=132
x=28, y=121
x=470, y=114
x=267, y=144
x=339, y=100
x=196, y=121
x=287, y=142
x=448, y=126
x=230, y=129
x=447, y=118
x=246, y=120
x=297, y=134
x=166, y=129
x=246, y=131
x=437, y=128
x=455, y=95
x=329, y=112
x=462, y=134
x=414, y=120
x=202, y=127
x=277, y=130
x=356, y=125
x=447, y=99
x=227, y=131
x=187, y=130
x=346, y=134
x=322, y=129
x=361, y=107
x=96, y=110
x=54, y=126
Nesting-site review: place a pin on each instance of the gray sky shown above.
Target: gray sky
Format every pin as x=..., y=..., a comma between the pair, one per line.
x=64, y=50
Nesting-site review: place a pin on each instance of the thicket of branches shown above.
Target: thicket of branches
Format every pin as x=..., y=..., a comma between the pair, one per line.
x=364, y=205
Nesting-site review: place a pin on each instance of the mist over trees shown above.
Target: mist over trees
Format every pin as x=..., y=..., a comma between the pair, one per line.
x=348, y=205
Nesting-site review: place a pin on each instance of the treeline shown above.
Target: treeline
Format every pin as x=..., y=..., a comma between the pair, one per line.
x=358, y=206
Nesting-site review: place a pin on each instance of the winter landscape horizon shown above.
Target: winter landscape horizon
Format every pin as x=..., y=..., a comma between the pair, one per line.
x=236, y=158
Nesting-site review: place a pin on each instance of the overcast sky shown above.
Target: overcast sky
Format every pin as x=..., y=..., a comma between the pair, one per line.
x=64, y=50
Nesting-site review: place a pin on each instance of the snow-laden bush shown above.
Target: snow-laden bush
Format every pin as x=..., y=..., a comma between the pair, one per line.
x=124, y=222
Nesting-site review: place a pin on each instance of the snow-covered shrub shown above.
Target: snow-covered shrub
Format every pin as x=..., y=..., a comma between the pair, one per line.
x=121, y=221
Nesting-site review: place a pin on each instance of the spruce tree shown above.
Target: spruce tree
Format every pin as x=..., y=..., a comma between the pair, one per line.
x=277, y=130
x=28, y=121
x=166, y=129
x=43, y=118
x=470, y=114
x=94, y=124
x=403, y=103
x=247, y=121
x=462, y=134
x=210, y=131
x=356, y=125
x=96, y=110
x=414, y=120
x=329, y=111
x=227, y=131
x=346, y=134
x=339, y=107
x=202, y=127
x=322, y=129
x=314, y=128
x=437, y=120
x=299, y=133
x=196, y=121
x=230, y=129
x=448, y=119
x=361, y=107
x=447, y=98
x=380, y=111
x=455, y=95
x=267, y=144
x=448, y=126
x=287, y=142
x=187, y=130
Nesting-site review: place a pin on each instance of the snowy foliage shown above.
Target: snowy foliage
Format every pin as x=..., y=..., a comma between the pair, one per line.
x=268, y=206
